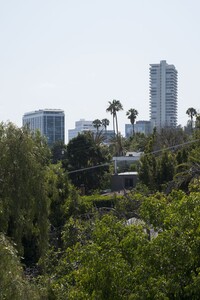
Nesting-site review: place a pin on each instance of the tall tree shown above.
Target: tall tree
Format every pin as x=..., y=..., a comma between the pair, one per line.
x=13, y=283
x=113, y=108
x=105, y=122
x=97, y=124
x=132, y=115
x=58, y=152
x=191, y=112
x=83, y=152
x=58, y=191
x=197, y=123
x=188, y=171
x=98, y=137
x=117, y=145
x=24, y=200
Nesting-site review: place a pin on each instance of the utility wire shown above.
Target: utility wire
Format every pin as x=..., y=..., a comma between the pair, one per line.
x=89, y=168
x=153, y=152
x=172, y=147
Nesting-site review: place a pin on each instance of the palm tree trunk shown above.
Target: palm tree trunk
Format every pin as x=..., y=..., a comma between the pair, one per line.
x=116, y=124
x=191, y=123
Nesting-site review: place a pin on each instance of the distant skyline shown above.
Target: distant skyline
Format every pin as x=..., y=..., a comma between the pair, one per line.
x=78, y=55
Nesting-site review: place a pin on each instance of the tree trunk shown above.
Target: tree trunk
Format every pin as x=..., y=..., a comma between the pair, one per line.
x=116, y=124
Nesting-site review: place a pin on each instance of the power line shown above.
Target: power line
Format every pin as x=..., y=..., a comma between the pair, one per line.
x=153, y=152
x=172, y=147
x=89, y=168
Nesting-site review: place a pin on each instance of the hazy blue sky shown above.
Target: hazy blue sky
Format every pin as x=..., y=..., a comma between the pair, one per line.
x=77, y=55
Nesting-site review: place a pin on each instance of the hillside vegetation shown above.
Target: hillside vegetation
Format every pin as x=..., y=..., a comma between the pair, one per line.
x=58, y=241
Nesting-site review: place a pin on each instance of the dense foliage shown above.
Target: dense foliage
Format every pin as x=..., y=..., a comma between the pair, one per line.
x=168, y=160
x=23, y=191
x=86, y=153
x=57, y=244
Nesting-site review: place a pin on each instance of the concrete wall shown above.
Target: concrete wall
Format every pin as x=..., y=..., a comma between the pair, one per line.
x=123, y=181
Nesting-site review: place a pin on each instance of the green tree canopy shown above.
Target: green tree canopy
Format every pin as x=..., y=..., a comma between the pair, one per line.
x=58, y=152
x=13, y=284
x=23, y=199
x=84, y=153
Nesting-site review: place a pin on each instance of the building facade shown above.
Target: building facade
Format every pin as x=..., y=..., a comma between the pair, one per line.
x=163, y=95
x=139, y=127
x=50, y=123
x=82, y=126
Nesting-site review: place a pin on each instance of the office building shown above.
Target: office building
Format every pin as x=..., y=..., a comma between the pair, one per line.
x=50, y=122
x=82, y=126
x=139, y=127
x=163, y=95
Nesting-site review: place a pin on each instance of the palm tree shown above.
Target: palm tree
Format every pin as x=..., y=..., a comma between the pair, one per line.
x=132, y=115
x=97, y=137
x=105, y=122
x=97, y=123
x=113, y=108
x=191, y=112
x=117, y=145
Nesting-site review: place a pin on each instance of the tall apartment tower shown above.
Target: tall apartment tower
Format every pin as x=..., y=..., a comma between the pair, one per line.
x=163, y=95
x=50, y=123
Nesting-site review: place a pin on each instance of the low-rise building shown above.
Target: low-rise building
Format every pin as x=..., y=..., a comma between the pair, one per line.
x=124, y=181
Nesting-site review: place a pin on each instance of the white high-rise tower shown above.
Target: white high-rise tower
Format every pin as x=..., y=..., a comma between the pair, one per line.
x=163, y=95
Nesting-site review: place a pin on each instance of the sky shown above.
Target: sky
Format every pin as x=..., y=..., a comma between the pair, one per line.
x=77, y=55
